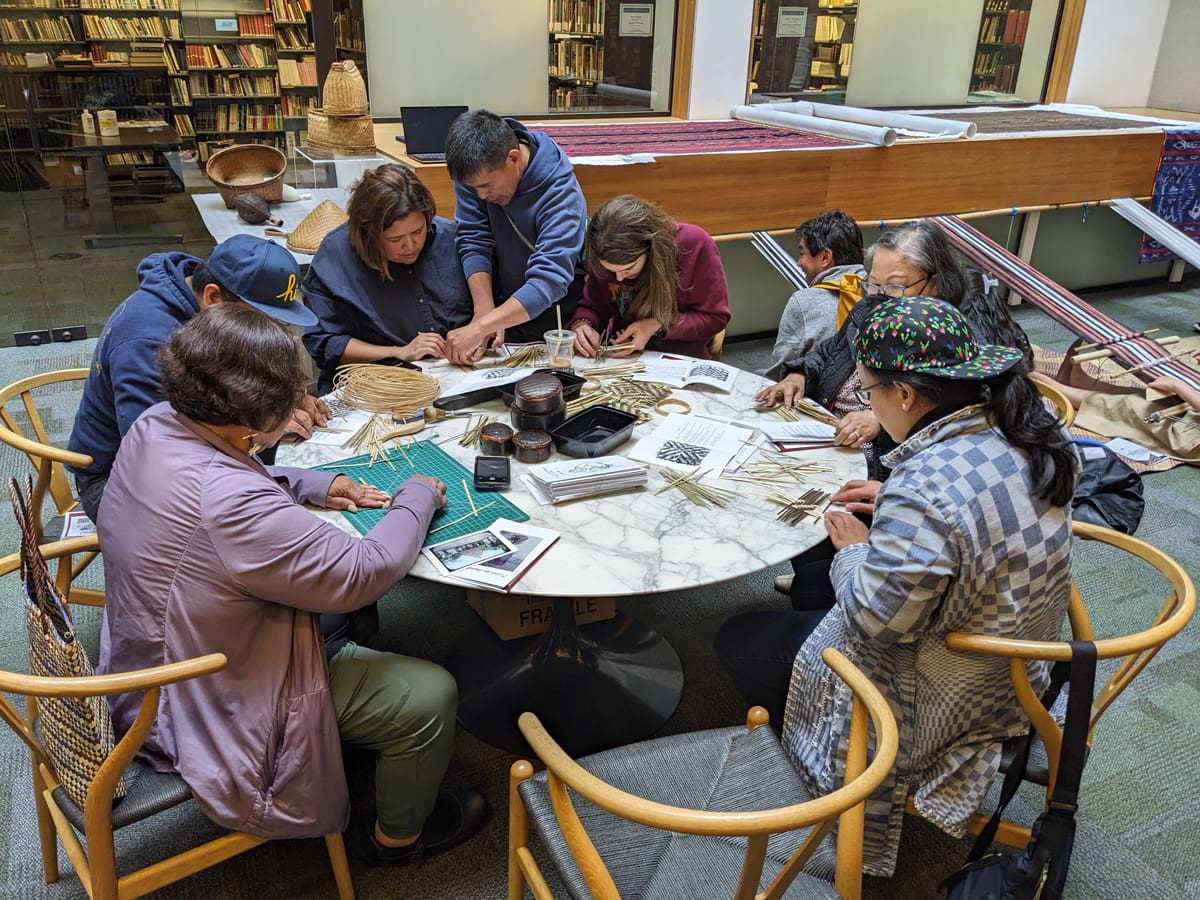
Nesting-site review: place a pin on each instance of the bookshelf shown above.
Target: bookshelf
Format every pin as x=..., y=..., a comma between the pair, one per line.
x=802, y=50
x=297, y=62
x=600, y=55
x=59, y=56
x=232, y=66
x=1002, y=27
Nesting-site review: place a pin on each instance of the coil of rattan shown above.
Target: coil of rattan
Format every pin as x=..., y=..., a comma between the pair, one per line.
x=385, y=389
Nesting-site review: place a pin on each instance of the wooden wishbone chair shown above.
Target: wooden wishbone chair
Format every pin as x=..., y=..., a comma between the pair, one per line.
x=746, y=767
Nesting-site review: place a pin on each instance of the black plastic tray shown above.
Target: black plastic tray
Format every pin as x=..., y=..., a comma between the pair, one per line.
x=594, y=432
x=572, y=385
x=470, y=398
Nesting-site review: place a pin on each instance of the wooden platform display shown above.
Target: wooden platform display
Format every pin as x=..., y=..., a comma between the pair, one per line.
x=739, y=192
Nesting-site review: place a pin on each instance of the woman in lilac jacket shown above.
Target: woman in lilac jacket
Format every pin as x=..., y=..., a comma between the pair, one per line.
x=206, y=550
x=652, y=282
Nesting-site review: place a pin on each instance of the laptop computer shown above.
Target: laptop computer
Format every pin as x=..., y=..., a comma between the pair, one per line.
x=425, y=129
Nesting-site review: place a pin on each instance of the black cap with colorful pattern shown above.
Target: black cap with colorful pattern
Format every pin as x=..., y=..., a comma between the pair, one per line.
x=930, y=337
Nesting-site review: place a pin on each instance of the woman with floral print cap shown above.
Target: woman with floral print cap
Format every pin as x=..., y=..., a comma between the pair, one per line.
x=971, y=532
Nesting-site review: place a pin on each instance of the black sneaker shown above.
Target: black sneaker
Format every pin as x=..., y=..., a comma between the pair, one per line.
x=456, y=816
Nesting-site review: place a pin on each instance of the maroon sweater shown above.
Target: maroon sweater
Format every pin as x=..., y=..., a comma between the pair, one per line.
x=703, y=298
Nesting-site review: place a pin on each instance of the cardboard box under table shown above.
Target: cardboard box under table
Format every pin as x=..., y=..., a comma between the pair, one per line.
x=514, y=616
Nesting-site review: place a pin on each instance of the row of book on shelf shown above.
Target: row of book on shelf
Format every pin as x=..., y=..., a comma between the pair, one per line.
x=35, y=30
x=829, y=29
x=218, y=56
x=836, y=4
x=290, y=10
x=167, y=5
x=210, y=84
x=128, y=27
x=577, y=59
x=292, y=37
x=300, y=72
x=140, y=55
x=829, y=61
x=1009, y=28
x=232, y=117
x=577, y=16
x=255, y=25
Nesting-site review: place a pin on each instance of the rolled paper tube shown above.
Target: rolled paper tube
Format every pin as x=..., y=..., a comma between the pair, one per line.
x=901, y=121
x=765, y=115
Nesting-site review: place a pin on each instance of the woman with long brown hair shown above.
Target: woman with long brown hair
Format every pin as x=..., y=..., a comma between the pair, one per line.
x=652, y=282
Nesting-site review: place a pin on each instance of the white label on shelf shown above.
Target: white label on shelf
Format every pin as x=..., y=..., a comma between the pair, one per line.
x=637, y=20
x=792, y=21
x=225, y=25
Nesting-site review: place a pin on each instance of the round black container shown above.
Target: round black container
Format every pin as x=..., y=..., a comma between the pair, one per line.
x=527, y=421
x=531, y=446
x=539, y=393
x=496, y=440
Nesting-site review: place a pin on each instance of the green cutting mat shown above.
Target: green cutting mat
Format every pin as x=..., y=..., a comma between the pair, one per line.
x=428, y=459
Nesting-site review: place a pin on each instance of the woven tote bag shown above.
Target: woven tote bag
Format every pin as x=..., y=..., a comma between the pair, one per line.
x=77, y=732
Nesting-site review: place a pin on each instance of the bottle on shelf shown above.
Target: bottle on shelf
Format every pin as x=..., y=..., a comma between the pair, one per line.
x=88, y=121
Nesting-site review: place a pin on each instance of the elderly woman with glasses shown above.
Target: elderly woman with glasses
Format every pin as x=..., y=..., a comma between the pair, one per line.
x=972, y=532
x=910, y=260
x=914, y=259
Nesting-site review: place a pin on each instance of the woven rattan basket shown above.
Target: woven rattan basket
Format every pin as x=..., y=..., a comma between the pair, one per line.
x=312, y=228
x=350, y=135
x=344, y=92
x=247, y=169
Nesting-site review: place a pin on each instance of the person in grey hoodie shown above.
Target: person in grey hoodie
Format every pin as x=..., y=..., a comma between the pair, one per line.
x=521, y=221
x=831, y=254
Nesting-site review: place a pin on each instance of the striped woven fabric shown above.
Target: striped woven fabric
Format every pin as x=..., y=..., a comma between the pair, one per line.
x=1065, y=307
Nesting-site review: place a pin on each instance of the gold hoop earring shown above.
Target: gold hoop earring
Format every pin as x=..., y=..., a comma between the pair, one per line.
x=253, y=449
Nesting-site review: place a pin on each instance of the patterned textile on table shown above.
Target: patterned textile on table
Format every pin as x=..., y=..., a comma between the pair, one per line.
x=77, y=732
x=1176, y=196
x=958, y=543
x=1063, y=306
x=666, y=138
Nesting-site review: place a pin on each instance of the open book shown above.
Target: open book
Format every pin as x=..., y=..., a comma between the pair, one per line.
x=684, y=371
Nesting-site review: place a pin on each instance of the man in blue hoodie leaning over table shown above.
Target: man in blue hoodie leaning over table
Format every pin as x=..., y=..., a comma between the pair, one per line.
x=521, y=222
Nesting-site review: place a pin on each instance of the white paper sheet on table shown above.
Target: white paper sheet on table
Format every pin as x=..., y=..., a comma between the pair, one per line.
x=343, y=425
x=683, y=371
x=487, y=377
x=686, y=442
x=801, y=431
x=1133, y=450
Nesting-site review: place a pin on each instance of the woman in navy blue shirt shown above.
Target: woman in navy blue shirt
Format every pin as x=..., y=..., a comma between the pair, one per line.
x=387, y=284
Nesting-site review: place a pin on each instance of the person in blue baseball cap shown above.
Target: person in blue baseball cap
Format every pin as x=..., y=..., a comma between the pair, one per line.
x=172, y=288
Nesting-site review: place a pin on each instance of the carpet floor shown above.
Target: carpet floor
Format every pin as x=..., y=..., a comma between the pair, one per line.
x=1140, y=797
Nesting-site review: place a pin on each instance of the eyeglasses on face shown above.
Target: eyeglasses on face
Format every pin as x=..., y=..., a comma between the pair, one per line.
x=895, y=291
x=863, y=394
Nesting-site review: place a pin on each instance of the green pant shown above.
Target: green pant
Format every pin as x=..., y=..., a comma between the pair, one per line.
x=403, y=708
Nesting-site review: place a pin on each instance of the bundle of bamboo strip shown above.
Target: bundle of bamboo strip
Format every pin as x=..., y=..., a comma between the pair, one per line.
x=385, y=389
x=689, y=485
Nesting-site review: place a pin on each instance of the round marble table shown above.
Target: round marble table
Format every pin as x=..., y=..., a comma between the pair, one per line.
x=612, y=682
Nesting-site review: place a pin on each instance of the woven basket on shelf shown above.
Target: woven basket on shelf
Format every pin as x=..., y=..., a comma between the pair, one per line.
x=351, y=135
x=312, y=228
x=344, y=92
x=247, y=169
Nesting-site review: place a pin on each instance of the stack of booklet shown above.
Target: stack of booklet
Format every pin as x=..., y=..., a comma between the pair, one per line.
x=578, y=478
x=494, y=558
